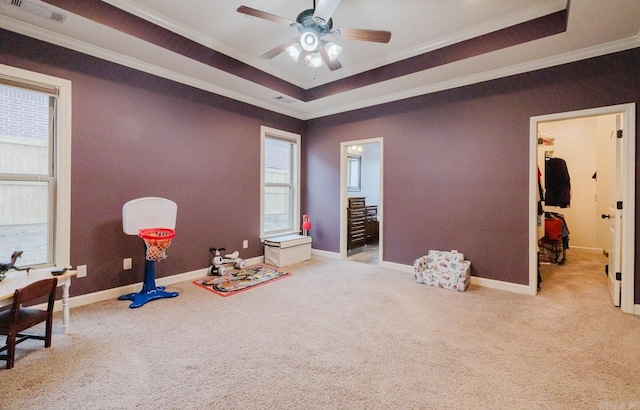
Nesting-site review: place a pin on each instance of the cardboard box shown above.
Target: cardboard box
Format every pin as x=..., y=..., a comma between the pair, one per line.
x=287, y=250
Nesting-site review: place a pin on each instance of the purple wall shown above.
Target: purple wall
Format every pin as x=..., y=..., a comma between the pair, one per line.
x=137, y=135
x=456, y=162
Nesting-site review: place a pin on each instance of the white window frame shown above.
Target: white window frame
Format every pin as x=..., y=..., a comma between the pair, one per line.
x=267, y=132
x=62, y=156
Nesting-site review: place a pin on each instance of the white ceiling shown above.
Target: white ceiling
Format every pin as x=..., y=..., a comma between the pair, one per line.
x=595, y=27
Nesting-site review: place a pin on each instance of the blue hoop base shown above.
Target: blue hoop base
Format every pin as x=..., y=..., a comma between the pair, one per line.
x=149, y=290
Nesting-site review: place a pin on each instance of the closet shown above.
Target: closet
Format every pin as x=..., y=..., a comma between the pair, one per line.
x=599, y=155
x=573, y=221
x=554, y=190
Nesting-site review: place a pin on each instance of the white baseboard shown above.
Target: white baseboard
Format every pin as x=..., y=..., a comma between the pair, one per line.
x=397, y=266
x=636, y=310
x=255, y=261
x=486, y=283
x=500, y=285
x=490, y=283
x=114, y=293
x=586, y=248
x=326, y=254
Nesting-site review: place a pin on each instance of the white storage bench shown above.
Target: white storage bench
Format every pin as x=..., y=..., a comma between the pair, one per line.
x=287, y=250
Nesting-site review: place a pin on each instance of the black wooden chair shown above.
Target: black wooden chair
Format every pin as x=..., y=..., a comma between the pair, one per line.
x=19, y=318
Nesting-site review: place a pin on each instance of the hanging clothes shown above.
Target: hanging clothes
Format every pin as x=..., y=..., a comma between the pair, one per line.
x=540, y=195
x=557, y=183
x=556, y=228
x=555, y=242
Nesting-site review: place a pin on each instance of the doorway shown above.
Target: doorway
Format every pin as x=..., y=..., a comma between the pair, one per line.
x=589, y=232
x=361, y=204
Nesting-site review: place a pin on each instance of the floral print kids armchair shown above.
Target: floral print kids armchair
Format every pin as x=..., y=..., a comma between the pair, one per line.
x=444, y=269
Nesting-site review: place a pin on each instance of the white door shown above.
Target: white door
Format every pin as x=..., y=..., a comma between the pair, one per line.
x=615, y=217
x=606, y=128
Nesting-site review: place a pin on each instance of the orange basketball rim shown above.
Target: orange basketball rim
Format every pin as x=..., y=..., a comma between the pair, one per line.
x=157, y=240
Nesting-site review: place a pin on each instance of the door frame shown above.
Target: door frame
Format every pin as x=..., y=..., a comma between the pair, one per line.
x=628, y=194
x=343, y=195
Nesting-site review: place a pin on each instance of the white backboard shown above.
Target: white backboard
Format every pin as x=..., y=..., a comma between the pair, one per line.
x=148, y=212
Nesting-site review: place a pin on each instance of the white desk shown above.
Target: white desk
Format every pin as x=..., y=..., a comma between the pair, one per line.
x=20, y=279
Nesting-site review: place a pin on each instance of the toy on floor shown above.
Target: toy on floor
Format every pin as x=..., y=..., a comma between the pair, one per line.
x=219, y=262
x=154, y=220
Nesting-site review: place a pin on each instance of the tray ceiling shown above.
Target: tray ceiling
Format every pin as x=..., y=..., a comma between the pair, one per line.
x=435, y=44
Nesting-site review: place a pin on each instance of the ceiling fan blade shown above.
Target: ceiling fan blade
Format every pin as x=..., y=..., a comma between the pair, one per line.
x=377, y=36
x=333, y=65
x=264, y=15
x=324, y=10
x=279, y=49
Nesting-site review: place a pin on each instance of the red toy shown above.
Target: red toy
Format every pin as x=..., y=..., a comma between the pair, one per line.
x=306, y=224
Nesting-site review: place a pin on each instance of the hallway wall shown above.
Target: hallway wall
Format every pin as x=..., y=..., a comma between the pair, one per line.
x=457, y=162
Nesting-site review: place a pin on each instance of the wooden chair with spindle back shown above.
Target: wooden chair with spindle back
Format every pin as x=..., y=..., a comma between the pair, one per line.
x=19, y=318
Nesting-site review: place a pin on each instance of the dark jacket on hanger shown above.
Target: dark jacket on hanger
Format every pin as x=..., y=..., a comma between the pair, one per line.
x=557, y=183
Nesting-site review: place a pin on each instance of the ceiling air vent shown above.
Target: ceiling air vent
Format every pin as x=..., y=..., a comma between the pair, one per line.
x=37, y=10
x=284, y=99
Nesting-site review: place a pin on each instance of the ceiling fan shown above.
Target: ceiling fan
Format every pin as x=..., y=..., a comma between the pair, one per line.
x=314, y=26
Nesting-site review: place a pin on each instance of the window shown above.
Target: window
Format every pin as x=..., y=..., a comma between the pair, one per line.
x=353, y=173
x=35, y=148
x=280, y=173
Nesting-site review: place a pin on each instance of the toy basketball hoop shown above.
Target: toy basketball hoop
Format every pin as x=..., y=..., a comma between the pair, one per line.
x=138, y=215
x=157, y=240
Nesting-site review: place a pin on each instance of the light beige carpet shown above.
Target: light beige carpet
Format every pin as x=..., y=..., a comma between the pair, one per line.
x=343, y=335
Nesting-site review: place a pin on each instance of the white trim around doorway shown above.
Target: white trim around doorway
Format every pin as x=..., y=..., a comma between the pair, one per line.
x=628, y=196
x=343, y=195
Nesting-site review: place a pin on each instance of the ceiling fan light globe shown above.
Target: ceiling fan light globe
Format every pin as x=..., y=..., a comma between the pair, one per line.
x=333, y=50
x=309, y=41
x=294, y=51
x=313, y=60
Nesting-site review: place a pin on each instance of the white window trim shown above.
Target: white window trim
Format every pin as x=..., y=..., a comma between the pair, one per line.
x=62, y=251
x=272, y=132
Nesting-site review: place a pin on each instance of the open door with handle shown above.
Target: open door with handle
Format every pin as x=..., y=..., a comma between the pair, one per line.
x=615, y=197
x=614, y=270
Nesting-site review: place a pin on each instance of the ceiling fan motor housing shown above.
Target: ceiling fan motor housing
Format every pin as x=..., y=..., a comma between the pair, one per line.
x=308, y=22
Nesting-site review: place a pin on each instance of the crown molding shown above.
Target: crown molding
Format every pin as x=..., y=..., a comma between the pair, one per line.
x=201, y=38
x=583, y=54
x=289, y=110
x=549, y=7
x=92, y=50
x=513, y=19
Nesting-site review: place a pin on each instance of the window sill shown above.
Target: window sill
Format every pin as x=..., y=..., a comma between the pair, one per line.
x=279, y=234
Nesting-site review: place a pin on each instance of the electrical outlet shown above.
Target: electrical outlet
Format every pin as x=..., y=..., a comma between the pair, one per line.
x=245, y=244
x=82, y=271
x=126, y=264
